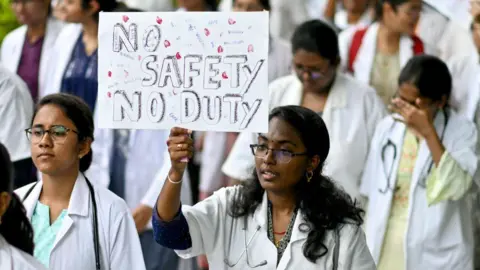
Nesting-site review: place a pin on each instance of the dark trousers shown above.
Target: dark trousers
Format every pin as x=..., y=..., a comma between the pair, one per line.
x=156, y=256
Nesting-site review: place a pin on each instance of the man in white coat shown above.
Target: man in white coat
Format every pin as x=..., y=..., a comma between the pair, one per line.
x=16, y=110
x=350, y=109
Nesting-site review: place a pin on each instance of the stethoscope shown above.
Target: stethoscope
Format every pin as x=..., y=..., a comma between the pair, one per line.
x=96, y=244
x=246, y=244
x=390, y=144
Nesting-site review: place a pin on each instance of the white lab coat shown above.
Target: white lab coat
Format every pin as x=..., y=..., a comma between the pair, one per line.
x=16, y=111
x=438, y=236
x=364, y=60
x=13, y=44
x=150, y=5
x=147, y=155
x=220, y=237
x=12, y=258
x=351, y=114
x=73, y=247
x=59, y=60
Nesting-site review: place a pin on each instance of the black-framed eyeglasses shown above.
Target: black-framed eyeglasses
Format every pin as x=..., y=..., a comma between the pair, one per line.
x=315, y=74
x=58, y=133
x=280, y=155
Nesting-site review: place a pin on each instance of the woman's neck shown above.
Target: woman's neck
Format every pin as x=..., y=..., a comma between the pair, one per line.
x=58, y=188
x=282, y=203
x=36, y=31
x=353, y=17
x=90, y=29
x=388, y=41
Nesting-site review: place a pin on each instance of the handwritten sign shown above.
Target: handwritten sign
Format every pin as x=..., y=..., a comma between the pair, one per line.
x=198, y=70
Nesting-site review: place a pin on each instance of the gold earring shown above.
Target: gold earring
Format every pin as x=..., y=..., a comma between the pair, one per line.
x=309, y=176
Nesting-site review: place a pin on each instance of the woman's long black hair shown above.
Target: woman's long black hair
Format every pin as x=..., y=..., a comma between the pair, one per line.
x=324, y=206
x=15, y=226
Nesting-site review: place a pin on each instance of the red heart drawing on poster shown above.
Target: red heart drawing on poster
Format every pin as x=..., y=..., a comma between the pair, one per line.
x=220, y=49
x=109, y=74
x=231, y=21
x=159, y=20
x=125, y=18
x=250, y=48
x=224, y=75
x=109, y=94
x=166, y=43
x=207, y=32
x=178, y=56
x=139, y=57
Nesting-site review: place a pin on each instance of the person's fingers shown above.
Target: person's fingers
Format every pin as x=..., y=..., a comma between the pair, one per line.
x=179, y=155
x=176, y=131
x=182, y=139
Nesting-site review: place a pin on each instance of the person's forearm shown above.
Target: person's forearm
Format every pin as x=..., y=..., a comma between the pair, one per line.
x=435, y=145
x=330, y=10
x=168, y=203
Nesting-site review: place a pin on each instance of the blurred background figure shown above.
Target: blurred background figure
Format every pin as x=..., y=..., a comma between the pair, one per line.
x=16, y=110
x=197, y=5
x=27, y=49
x=356, y=13
x=73, y=67
x=150, y=5
x=16, y=233
x=375, y=54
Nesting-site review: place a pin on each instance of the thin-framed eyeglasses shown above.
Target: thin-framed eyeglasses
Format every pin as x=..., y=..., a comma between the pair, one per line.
x=58, y=133
x=313, y=73
x=280, y=155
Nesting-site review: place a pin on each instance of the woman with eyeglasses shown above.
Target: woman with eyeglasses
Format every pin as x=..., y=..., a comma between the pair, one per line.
x=419, y=176
x=376, y=53
x=16, y=234
x=350, y=109
x=289, y=216
x=76, y=225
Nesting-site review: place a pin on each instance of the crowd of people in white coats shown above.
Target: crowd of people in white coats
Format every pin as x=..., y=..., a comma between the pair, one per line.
x=370, y=160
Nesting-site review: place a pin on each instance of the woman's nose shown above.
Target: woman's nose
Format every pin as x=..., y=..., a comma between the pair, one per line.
x=46, y=140
x=269, y=157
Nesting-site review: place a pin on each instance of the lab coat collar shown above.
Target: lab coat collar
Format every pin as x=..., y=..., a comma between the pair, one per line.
x=337, y=97
x=79, y=200
x=366, y=54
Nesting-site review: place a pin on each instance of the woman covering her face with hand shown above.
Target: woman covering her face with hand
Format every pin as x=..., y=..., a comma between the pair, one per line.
x=289, y=216
x=419, y=174
x=66, y=211
x=16, y=234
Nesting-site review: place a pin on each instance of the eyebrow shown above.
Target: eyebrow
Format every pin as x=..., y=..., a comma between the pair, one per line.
x=280, y=142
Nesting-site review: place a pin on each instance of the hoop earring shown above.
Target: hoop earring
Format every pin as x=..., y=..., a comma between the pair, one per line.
x=309, y=176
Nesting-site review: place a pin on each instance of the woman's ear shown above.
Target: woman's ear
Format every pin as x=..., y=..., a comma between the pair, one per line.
x=314, y=162
x=84, y=147
x=94, y=7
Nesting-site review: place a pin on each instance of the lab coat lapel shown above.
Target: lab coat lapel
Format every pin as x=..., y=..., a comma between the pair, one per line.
x=337, y=98
x=366, y=54
x=297, y=235
x=78, y=205
x=293, y=95
x=260, y=215
x=51, y=34
x=16, y=52
x=5, y=254
x=406, y=50
x=31, y=201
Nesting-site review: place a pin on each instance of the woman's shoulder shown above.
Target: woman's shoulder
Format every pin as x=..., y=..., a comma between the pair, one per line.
x=24, y=261
x=109, y=201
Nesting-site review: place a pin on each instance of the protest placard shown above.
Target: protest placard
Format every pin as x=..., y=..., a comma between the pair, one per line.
x=198, y=70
